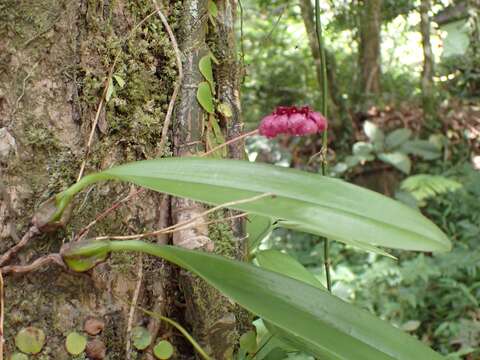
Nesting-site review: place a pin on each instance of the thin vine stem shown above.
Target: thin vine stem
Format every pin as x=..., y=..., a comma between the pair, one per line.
x=324, y=88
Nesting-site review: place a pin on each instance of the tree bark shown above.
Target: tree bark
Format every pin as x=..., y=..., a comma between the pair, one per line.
x=54, y=58
x=369, y=47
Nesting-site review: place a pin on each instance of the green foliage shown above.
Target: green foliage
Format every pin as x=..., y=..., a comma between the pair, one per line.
x=311, y=318
x=300, y=200
x=75, y=343
x=30, y=340
x=393, y=148
x=205, y=97
x=163, y=350
x=141, y=337
x=424, y=186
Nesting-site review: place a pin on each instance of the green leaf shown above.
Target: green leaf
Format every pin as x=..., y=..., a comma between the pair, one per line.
x=329, y=327
x=397, y=138
x=141, y=337
x=163, y=350
x=277, y=261
x=215, y=137
x=258, y=228
x=205, y=97
x=248, y=342
x=373, y=132
x=119, y=81
x=212, y=9
x=424, y=186
x=75, y=343
x=400, y=161
x=110, y=89
x=362, y=148
x=30, y=340
x=205, y=66
x=422, y=148
x=305, y=201
x=19, y=356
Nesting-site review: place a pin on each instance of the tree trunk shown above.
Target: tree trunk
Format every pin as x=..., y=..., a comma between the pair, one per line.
x=369, y=47
x=427, y=73
x=337, y=104
x=54, y=58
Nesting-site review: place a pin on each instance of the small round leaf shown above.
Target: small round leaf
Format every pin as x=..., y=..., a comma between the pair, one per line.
x=19, y=356
x=30, y=340
x=163, y=350
x=75, y=343
x=141, y=337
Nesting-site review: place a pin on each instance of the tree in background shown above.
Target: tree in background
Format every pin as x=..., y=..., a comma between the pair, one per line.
x=370, y=19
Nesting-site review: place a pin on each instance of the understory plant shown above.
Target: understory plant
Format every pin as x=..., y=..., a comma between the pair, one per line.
x=295, y=308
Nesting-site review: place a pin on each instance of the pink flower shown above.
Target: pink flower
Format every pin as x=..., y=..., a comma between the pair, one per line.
x=292, y=120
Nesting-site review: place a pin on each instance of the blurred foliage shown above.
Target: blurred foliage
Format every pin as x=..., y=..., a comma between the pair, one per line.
x=433, y=296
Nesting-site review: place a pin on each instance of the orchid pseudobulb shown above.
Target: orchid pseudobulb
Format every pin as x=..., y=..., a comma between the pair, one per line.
x=292, y=120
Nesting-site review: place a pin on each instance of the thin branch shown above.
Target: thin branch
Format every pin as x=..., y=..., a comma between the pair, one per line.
x=29, y=235
x=2, y=309
x=102, y=215
x=171, y=104
x=240, y=137
x=133, y=306
x=40, y=262
x=181, y=225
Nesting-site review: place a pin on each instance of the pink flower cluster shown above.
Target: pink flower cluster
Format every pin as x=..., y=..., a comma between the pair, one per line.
x=292, y=120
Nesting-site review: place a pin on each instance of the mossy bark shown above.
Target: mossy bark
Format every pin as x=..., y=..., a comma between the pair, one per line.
x=54, y=58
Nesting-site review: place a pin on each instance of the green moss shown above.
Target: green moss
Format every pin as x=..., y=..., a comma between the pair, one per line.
x=221, y=234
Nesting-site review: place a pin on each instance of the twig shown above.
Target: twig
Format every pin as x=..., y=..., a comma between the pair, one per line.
x=181, y=225
x=102, y=215
x=133, y=305
x=168, y=117
x=40, y=262
x=240, y=137
x=2, y=309
x=30, y=234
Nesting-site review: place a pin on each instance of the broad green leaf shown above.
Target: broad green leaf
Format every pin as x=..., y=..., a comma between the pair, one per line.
x=75, y=343
x=205, y=97
x=307, y=202
x=397, y=138
x=258, y=228
x=277, y=261
x=362, y=148
x=373, y=132
x=328, y=326
x=205, y=66
x=422, y=148
x=400, y=161
x=30, y=340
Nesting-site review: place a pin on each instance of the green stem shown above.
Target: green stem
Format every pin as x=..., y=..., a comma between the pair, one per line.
x=318, y=28
x=180, y=328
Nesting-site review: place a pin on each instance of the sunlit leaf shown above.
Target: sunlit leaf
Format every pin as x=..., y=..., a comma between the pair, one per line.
x=75, y=343
x=205, y=66
x=30, y=340
x=205, y=97
x=313, y=318
x=163, y=350
x=141, y=337
x=400, y=161
x=304, y=201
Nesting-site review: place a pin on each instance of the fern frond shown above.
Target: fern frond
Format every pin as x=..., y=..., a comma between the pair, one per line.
x=424, y=186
